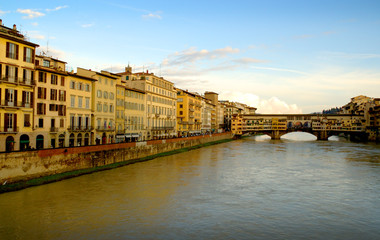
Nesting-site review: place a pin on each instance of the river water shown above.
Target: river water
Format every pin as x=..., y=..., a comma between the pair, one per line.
x=246, y=189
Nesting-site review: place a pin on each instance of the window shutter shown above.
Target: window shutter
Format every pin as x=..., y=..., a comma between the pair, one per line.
x=15, y=122
x=32, y=99
x=6, y=71
x=44, y=108
x=16, y=74
x=33, y=56
x=62, y=81
x=23, y=98
x=45, y=76
x=16, y=51
x=44, y=93
x=32, y=76
x=6, y=118
x=24, y=74
x=7, y=51
x=64, y=98
x=6, y=97
x=24, y=54
x=15, y=98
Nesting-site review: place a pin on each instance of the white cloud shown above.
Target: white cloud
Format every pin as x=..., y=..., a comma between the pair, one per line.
x=30, y=14
x=351, y=56
x=248, y=60
x=57, y=8
x=192, y=55
x=87, y=25
x=272, y=105
x=52, y=52
x=34, y=24
x=35, y=35
x=3, y=12
x=152, y=16
x=281, y=70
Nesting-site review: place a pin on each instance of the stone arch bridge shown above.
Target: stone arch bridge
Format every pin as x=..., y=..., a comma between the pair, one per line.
x=322, y=126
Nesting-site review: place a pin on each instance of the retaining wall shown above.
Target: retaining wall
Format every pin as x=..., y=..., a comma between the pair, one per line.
x=22, y=166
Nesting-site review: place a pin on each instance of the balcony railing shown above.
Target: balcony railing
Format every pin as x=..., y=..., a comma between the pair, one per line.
x=162, y=128
x=9, y=130
x=80, y=128
x=53, y=129
x=103, y=128
x=17, y=80
x=6, y=103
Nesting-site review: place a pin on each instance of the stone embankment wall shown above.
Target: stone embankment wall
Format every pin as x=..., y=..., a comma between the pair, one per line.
x=22, y=166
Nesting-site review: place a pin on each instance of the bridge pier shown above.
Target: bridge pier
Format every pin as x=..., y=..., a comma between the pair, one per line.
x=322, y=135
x=276, y=135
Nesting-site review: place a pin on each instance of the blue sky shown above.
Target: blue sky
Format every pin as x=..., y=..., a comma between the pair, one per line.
x=279, y=56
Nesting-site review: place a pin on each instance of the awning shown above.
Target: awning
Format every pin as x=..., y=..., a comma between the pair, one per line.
x=135, y=135
x=120, y=136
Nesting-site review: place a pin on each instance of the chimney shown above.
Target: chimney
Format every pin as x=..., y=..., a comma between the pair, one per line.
x=1, y=22
x=147, y=71
x=14, y=27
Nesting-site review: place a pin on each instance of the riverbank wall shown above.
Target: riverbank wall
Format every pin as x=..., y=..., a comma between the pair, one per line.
x=23, y=169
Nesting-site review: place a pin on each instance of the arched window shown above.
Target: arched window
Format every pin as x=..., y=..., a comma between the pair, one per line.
x=40, y=142
x=24, y=142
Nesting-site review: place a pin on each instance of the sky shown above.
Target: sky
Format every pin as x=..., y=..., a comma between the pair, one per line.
x=283, y=56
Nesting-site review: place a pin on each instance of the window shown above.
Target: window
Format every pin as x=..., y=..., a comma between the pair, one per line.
x=99, y=94
x=28, y=55
x=111, y=108
x=27, y=120
x=28, y=76
x=54, y=79
x=180, y=112
x=87, y=103
x=105, y=95
x=53, y=94
x=41, y=123
x=62, y=95
x=42, y=77
x=111, y=82
x=181, y=106
x=62, y=81
x=41, y=93
x=11, y=50
x=87, y=87
x=99, y=107
x=72, y=100
x=106, y=81
x=11, y=73
x=80, y=102
x=111, y=96
x=80, y=86
x=100, y=80
x=41, y=108
x=105, y=107
x=26, y=98
x=46, y=63
x=62, y=123
x=72, y=85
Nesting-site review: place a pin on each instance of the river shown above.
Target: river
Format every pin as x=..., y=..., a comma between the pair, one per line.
x=252, y=188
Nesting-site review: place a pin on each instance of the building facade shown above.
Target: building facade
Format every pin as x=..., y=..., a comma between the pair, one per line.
x=17, y=82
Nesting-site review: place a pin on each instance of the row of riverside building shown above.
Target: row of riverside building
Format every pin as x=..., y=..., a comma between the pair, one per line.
x=44, y=106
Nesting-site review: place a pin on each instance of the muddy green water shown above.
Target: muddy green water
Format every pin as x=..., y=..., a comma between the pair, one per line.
x=245, y=189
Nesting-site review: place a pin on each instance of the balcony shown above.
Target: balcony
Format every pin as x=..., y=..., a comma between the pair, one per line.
x=15, y=80
x=9, y=129
x=162, y=128
x=80, y=128
x=105, y=129
x=53, y=129
x=15, y=104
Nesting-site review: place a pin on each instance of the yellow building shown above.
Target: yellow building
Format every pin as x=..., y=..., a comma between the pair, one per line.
x=80, y=116
x=17, y=83
x=130, y=112
x=103, y=104
x=189, y=113
x=161, y=99
x=50, y=102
